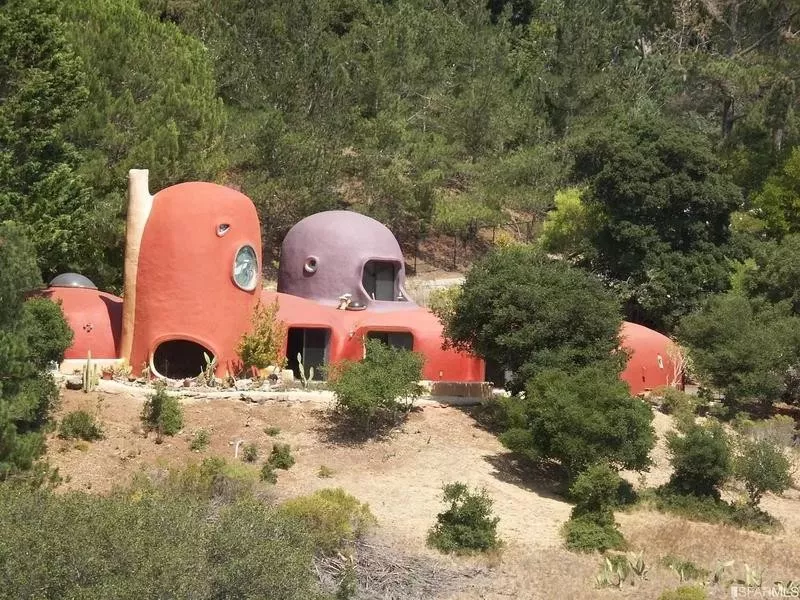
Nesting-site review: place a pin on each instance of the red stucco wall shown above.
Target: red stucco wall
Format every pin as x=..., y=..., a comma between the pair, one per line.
x=348, y=329
x=95, y=318
x=185, y=277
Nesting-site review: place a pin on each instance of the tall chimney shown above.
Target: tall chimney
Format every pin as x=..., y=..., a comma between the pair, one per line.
x=140, y=202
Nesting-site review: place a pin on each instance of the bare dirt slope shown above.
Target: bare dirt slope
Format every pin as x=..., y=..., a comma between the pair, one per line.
x=401, y=478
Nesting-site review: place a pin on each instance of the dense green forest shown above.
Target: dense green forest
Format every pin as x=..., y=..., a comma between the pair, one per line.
x=667, y=129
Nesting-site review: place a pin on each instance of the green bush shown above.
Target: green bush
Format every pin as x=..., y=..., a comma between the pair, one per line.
x=32, y=334
x=593, y=532
x=685, y=569
x=49, y=335
x=710, y=509
x=686, y=592
x=742, y=347
x=213, y=478
x=335, y=518
x=380, y=389
x=584, y=417
x=261, y=347
x=597, y=489
x=763, y=467
x=700, y=458
x=250, y=453
x=79, y=424
x=281, y=457
x=272, y=431
x=268, y=474
x=162, y=412
x=150, y=543
x=530, y=313
x=681, y=405
x=467, y=525
x=200, y=441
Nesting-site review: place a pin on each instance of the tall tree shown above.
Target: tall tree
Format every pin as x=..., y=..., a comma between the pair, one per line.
x=42, y=88
x=661, y=210
x=153, y=105
x=31, y=335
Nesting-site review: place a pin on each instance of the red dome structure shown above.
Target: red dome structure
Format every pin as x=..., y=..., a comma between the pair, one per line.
x=198, y=279
x=95, y=318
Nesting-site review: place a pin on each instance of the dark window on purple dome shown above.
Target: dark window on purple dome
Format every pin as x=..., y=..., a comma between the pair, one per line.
x=379, y=280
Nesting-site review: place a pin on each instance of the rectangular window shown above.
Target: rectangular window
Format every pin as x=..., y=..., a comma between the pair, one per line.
x=378, y=280
x=395, y=339
x=311, y=343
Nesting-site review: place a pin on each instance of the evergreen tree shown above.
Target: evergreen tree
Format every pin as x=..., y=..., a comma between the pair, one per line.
x=27, y=394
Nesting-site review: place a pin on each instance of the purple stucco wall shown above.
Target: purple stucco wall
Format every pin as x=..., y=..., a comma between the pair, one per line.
x=323, y=256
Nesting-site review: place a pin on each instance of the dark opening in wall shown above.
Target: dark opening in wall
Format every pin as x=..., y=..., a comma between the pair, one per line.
x=378, y=280
x=180, y=359
x=396, y=339
x=311, y=343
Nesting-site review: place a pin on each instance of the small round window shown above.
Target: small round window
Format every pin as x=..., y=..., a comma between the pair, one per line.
x=245, y=268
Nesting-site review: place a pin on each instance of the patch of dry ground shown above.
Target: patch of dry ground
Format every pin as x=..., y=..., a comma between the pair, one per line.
x=401, y=478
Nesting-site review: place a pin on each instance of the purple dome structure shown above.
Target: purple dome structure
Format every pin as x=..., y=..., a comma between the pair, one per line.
x=332, y=254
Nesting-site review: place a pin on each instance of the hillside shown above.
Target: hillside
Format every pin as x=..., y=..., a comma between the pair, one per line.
x=401, y=477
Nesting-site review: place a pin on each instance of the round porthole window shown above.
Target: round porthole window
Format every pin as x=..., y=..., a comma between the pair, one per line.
x=245, y=268
x=311, y=264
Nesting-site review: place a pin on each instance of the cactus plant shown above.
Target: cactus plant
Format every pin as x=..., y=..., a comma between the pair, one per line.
x=89, y=376
x=302, y=369
x=207, y=375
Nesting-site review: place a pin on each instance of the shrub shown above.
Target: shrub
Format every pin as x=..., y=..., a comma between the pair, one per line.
x=583, y=418
x=324, y=472
x=779, y=429
x=763, y=467
x=213, y=478
x=529, y=313
x=200, y=441
x=742, y=347
x=272, y=431
x=687, y=592
x=700, y=458
x=335, y=518
x=592, y=532
x=281, y=457
x=31, y=336
x=268, y=474
x=467, y=525
x=250, y=453
x=262, y=347
x=710, y=509
x=150, y=544
x=680, y=404
x=598, y=489
x=79, y=424
x=48, y=332
x=162, y=412
x=379, y=389
x=685, y=569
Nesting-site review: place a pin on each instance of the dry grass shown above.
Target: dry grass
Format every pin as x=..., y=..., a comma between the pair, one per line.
x=401, y=478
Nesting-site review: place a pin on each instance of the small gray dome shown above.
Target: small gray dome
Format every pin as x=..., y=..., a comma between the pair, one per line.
x=72, y=280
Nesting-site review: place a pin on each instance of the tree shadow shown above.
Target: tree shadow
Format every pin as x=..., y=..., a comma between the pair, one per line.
x=546, y=479
x=335, y=429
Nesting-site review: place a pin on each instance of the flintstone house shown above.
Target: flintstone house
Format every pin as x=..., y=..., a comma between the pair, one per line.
x=193, y=277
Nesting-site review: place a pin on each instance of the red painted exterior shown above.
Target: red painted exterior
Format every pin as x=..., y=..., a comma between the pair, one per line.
x=95, y=318
x=185, y=286
x=349, y=328
x=651, y=363
x=185, y=291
